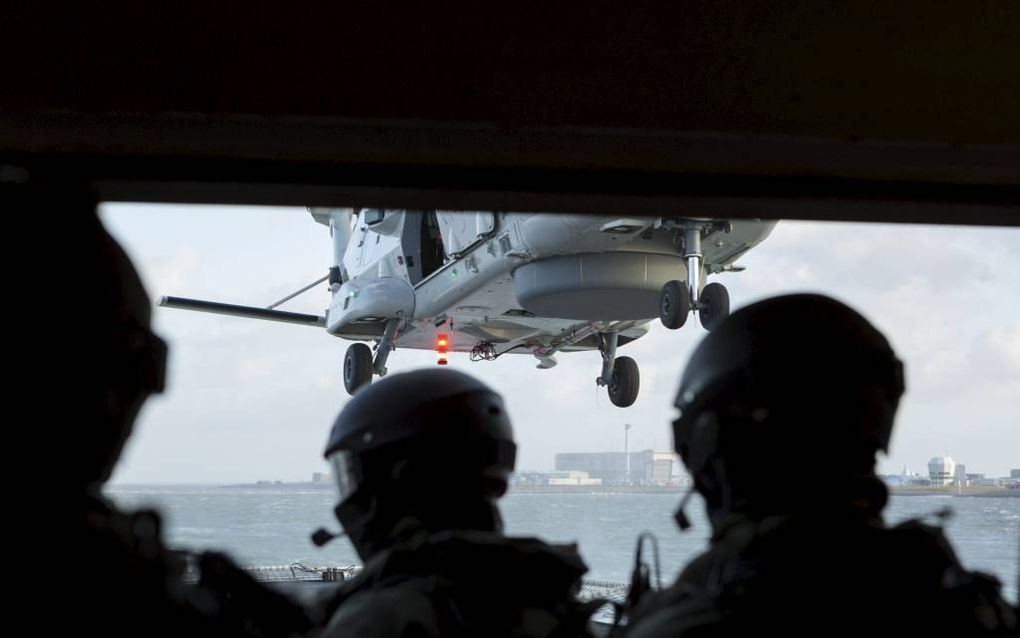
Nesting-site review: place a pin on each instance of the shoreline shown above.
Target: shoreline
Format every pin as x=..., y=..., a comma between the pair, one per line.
x=597, y=489
x=973, y=491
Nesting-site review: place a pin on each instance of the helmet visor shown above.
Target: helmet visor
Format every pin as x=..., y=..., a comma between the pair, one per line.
x=346, y=473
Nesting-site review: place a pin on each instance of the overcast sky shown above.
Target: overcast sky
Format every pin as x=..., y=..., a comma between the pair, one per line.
x=250, y=400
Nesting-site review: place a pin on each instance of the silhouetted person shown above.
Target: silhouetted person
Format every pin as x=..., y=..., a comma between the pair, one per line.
x=783, y=408
x=420, y=459
x=114, y=576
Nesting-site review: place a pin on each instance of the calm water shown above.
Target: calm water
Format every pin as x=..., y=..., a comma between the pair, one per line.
x=271, y=525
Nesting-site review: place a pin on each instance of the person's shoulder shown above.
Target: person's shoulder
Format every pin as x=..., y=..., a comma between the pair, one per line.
x=565, y=552
x=510, y=555
x=399, y=610
x=128, y=546
x=921, y=551
x=934, y=581
x=680, y=610
x=971, y=598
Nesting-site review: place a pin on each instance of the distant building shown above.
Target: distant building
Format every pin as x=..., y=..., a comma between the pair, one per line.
x=572, y=478
x=553, y=478
x=321, y=477
x=987, y=482
x=960, y=474
x=1014, y=474
x=905, y=477
x=647, y=467
x=941, y=471
x=527, y=477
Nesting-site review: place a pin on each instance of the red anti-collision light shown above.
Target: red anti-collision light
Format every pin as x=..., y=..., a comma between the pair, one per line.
x=442, y=343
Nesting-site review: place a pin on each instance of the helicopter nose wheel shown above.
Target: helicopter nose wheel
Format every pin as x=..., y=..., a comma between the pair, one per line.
x=357, y=367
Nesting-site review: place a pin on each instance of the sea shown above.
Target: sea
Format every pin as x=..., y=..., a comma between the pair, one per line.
x=270, y=525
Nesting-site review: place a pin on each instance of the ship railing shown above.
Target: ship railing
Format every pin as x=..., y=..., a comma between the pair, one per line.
x=298, y=572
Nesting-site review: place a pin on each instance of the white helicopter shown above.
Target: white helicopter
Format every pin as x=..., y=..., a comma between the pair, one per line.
x=492, y=283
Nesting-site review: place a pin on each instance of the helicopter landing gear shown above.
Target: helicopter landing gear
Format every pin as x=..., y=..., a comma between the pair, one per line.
x=677, y=299
x=714, y=305
x=359, y=364
x=357, y=367
x=620, y=375
x=674, y=304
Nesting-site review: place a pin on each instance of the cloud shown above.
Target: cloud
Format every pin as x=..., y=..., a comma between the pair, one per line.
x=997, y=352
x=255, y=368
x=174, y=272
x=1001, y=347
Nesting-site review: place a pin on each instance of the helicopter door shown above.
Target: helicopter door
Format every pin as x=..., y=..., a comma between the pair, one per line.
x=462, y=230
x=431, y=253
x=441, y=236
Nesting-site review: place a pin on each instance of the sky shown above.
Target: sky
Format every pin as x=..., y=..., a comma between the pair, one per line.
x=253, y=400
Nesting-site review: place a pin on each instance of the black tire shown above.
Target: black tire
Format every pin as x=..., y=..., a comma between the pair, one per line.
x=714, y=305
x=357, y=367
x=623, y=390
x=674, y=304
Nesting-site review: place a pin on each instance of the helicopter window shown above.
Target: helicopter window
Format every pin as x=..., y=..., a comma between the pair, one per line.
x=260, y=396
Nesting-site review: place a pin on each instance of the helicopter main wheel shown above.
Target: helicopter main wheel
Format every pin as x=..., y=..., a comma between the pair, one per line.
x=623, y=390
x=357, y=367
x=713, y=306
x=674, y=304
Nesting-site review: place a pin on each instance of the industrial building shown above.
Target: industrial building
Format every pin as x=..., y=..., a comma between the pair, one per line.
x=554, y=478
x=646, y=467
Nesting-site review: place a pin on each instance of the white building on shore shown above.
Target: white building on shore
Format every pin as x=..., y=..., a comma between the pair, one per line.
x=941, y=471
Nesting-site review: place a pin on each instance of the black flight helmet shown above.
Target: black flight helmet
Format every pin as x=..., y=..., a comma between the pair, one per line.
x=791, y=385
x=434, y=446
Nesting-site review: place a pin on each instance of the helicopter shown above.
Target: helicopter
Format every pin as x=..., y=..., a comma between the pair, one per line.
x=493, y=283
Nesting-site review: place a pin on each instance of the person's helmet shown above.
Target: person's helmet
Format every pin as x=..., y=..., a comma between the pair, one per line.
x=115, y=359
x=798, y=384
x=434, y=446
